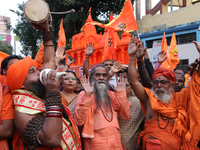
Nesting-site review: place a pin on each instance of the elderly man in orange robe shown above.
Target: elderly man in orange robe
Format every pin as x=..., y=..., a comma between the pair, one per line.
x=97, y=109
x=167, y=113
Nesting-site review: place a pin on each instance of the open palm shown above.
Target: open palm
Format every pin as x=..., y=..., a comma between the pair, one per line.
x=60, y=52
x=133, y=46
x=89, y=48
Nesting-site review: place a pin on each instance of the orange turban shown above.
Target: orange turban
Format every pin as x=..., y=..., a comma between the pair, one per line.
x=18, y=71
x=164, y=72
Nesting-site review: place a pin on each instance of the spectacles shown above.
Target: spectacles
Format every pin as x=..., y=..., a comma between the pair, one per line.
x=68, y=78
x=163, y=82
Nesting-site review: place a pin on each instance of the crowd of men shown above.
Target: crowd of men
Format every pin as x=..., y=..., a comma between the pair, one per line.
x=137, y=108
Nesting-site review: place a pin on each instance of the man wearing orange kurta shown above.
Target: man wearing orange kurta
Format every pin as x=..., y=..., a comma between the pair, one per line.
x=167, y=113
x=97, y=109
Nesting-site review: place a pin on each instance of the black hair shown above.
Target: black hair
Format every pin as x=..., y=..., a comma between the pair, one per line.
x=4, y=63
x=106, y=60
x=69, y=71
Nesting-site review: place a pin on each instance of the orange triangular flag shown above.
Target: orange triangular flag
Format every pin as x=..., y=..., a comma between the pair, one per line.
x=173, y=53
x=61, y=36
x=111, y=17
x=126, y=19
x=164, y=47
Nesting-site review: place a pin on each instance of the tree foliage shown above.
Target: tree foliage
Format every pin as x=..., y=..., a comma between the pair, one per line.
x=6, y=48
x=30, y=39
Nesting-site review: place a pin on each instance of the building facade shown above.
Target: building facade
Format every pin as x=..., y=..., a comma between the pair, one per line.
x=5, y=36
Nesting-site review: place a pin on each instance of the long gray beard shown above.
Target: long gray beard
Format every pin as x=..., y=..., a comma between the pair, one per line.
x=101, y=94
x=166, y=97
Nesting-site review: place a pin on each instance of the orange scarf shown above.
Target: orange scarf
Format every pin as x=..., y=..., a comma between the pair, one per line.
x=178, y=114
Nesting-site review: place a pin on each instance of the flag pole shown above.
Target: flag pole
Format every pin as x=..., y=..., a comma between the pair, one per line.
x=113, y=55
x=138, y=35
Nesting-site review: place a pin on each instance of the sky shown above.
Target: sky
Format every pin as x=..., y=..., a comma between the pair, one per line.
x=12, y=4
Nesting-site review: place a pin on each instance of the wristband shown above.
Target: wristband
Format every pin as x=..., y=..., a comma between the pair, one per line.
x=54, y=115
x=140, y=60
x=87, y=57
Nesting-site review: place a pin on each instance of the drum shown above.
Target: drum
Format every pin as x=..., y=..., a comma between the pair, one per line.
x=37, y=11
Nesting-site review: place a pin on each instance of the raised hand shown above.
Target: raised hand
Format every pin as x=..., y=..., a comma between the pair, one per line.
x=60, y=52
x=70, y=60
x=162, y=57
x=120, y=84
x=116, y=67
x=141, y=51
x=193, y=66
x=133, y=46
x=86, y=85
x=197, y=46
x=89, y=49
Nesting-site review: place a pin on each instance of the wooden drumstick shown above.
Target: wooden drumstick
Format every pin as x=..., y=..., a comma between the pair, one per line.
x=65, y=12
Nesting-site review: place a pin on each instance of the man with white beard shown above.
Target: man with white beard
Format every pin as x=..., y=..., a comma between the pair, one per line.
x=171, y=118
x=97, y=108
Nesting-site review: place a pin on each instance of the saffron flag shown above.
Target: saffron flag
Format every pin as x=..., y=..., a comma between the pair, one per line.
x=125, y=21
x=61, y=36
x=164, y=47
x=173, y=53
x=110, y=42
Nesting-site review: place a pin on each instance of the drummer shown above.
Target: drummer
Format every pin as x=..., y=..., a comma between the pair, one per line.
x=40, y=124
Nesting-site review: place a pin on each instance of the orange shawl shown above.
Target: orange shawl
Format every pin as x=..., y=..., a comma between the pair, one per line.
x=178, y=114
x=193, y=133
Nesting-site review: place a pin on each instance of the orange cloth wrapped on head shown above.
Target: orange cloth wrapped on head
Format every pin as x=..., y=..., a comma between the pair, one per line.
x=164, y=72
x=20, y=70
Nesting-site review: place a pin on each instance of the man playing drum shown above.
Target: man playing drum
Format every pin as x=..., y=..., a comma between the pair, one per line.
x=41, y=121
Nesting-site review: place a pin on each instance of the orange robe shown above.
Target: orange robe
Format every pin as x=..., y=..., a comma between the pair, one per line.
x=101, y=134
x=6, y=111
x=183, y=109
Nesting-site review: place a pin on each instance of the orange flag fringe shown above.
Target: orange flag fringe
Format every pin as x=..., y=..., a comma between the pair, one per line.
x=61, y=36
x=164, y=47
x=126, y=19
x=173, y=53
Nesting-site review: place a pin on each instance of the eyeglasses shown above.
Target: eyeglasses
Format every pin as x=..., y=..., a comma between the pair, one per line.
x=163, y=82
x=68, y=78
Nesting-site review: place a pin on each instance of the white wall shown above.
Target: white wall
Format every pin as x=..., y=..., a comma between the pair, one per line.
x=185, y=51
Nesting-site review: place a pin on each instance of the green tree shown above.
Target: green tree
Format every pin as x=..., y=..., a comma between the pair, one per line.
x=6, y=48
